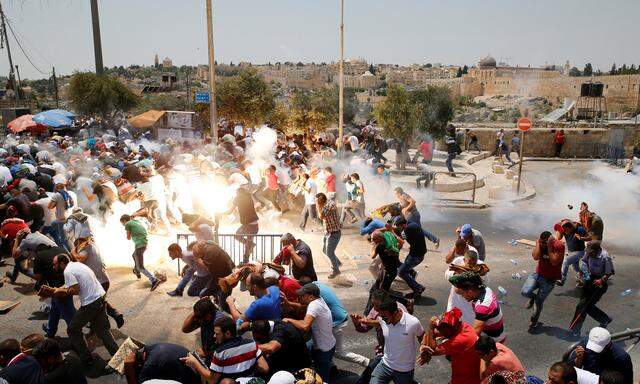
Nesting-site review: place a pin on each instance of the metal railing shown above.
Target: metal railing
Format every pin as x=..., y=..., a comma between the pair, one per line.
x=265, y=248
x=613, y=154
x=618, y=337
x=464, y=174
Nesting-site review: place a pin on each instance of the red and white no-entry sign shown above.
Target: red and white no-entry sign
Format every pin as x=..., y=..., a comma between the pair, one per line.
x=524, y=124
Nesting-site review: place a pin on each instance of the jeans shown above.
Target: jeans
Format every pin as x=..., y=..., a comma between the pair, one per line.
x=430, y=236
x=506, y=156
x=329, y=245
x=111, y=311
x=382, y=374
x=354, y=209
x=449, y=161
x=138, y=259
x=591, y=294
x=427, y=178
x=247, y=229
x=322, y=362
x=59, y=234
x=94, y=314
x=572, y=259
x=405, y=271
x=60, y=308
x=308, y=210
x=184, y=280
x=544, y=287
x=365, y=377
x=19, y=266
x=341, y=353
x=383, y=282
x=473, y=144
x=199, y=286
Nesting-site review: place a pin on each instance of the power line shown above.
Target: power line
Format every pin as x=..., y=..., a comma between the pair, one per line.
x=23, y=51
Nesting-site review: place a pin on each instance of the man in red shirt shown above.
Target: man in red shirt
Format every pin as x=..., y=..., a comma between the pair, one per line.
x=426, y=150
x=330, y=182
x=549, y=253
x=459, y=346
x=559, y=141
x=272, y=189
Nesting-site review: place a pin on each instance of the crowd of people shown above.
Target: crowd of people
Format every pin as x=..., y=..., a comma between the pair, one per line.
x=293, y=330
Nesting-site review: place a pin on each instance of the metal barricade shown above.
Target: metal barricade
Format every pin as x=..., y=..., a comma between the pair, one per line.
x=464, y=174
x=265, y=249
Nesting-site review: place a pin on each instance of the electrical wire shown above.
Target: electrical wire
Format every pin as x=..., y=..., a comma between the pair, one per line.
x=23, y=51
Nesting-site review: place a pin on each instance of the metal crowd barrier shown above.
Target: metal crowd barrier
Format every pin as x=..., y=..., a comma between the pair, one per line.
x=473, y=189
x=267, y=246
x=614, y=155
x=618, y=337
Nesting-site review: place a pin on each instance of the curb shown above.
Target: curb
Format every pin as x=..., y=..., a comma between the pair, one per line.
x=560, y=159
x=527, y=196
x=456, y=204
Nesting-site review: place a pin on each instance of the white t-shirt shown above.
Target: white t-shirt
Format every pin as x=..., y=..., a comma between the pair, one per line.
x=6, y=173
x=353, y=142
x=49, y=214
x=586, y=377
x=310, y=196
x=89, y=286
x=400, y=342
x=322, y=327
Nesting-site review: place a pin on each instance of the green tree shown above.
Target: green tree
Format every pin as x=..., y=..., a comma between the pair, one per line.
x=575, y=72
x=459, y=73
x=90, y=93
x=162, y=102
x=246, y=98
x=465, y=70
x=405, y=114
x=614, y=70
x=588, y=70
x=372, y=69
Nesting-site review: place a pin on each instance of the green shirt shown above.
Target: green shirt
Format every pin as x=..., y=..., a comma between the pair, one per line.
x=138, y=233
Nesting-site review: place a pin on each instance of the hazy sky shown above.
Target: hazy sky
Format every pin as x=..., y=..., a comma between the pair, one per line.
x=58, y=32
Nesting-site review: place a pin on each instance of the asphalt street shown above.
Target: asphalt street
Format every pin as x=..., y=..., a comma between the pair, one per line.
x=155, y=317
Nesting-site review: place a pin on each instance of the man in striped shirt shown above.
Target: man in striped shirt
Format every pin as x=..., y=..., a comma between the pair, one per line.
x=484, y=302
x=235, y=357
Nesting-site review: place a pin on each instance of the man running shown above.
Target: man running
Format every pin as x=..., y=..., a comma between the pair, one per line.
x=137, y=234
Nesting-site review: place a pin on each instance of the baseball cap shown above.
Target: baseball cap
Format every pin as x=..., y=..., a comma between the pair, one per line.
x=465, y=230
x=599, y=338
x=310, y=289
x=282, y=377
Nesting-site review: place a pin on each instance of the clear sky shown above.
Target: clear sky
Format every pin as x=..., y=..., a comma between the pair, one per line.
x=58, y=32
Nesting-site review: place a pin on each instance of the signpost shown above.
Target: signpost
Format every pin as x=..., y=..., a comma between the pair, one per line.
x=202, y=97
x=524, y=124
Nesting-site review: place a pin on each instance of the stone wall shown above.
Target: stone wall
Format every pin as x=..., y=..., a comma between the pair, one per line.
x=580, y=142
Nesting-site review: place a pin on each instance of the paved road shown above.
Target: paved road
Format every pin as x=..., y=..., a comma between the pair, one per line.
x=157, y=317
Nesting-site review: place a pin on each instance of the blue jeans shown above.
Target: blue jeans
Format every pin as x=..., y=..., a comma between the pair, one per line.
x=405, y=271
x=544, y=287
x=329, y=245
x=49, y=230
x=382, y=374
x=430, y=236
x=184, y=280
x=138, y=259
x=19, y=266
x=60, y=308
x=449, y=161
x=322, y=362
x=572, y=259
x=198, y=286
x=59, y=235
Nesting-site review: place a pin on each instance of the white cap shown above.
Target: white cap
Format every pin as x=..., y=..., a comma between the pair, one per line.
x=599, y=338
x=282, y=377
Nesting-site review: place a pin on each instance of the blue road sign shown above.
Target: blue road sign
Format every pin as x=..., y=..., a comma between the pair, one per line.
x=202, y=97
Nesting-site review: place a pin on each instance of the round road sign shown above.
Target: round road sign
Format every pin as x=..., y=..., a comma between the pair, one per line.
x=524, y=124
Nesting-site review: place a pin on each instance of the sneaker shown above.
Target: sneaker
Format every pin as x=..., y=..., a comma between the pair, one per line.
x=137, y=273
x=606, y=323
x=533, y=324
x=418, y=294
x=174, y=293
x=333, y=274
x=156, y=283
x=530, y=303
x=559, y=283
x=119, y=320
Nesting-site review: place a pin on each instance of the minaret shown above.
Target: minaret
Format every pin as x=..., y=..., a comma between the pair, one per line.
x=156, y=61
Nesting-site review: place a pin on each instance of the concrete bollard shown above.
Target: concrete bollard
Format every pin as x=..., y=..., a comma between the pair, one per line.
x=509, y=174
x=498, y=169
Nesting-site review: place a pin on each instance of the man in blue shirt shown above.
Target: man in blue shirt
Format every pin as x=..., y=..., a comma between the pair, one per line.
x=265, y=307
x=369, y=225
x=575, y=237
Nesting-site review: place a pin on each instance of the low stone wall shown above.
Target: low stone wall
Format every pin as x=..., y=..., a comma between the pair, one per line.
x=580, y=142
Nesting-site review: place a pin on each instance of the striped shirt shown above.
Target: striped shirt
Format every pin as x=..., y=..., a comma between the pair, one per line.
x=488, y=310
x=235, y=358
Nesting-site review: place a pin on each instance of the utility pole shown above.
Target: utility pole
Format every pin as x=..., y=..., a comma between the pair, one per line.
x=19, y=87
x=55, y=87
x=212, y=76
x=12, y=78
x=97, y=42
x=188, y=92
x=341, y=79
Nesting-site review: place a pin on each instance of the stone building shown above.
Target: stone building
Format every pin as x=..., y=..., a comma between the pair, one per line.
x=167, y=63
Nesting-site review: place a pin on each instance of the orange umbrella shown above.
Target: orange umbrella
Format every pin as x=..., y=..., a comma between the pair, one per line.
x=25, y=123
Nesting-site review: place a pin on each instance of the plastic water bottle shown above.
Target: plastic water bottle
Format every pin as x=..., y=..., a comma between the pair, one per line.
x=502, y=291
x=626, y=293
x=514, y=262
